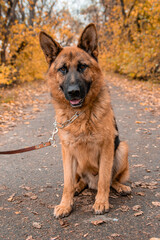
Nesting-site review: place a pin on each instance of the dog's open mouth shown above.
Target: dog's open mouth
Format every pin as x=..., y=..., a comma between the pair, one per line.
x=76, y=102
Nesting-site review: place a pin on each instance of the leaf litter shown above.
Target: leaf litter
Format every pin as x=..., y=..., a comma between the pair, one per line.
x=145, y=92
x=37, y=225
x=138, y=213
x=11, y=198
x=23, y=105
x=156, y=204
x=64, y=223
x=97, y=222
x=31, y=195
x=136, y=207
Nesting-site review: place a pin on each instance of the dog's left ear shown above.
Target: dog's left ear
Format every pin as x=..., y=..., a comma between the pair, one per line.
x=88, y=40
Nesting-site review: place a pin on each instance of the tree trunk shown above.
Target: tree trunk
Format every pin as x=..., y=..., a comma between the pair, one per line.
x=8, y=21
x=32, y=12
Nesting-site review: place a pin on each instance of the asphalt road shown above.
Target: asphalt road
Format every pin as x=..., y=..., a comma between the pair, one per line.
x=31, y=183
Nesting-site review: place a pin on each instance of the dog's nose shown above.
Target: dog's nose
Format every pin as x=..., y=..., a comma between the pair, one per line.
x=74, y=91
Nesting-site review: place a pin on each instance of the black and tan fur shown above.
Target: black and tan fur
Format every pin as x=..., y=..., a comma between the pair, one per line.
x=92, y=153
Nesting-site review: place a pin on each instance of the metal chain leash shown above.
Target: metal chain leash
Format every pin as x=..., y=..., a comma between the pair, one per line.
x=57, y=126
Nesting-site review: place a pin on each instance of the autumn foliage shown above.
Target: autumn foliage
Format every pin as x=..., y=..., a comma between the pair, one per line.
x=130, y=39
x=21, y=21
x=129, y=33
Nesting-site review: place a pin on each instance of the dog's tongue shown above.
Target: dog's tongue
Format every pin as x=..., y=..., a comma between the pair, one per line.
x=76, y=101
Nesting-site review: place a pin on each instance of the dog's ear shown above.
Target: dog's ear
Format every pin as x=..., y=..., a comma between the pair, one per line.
x=88, y=40
x=50, y=47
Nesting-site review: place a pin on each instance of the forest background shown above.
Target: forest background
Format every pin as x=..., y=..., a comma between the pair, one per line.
x=129, y=35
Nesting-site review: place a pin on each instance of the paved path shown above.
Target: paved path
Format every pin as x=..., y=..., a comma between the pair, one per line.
x=31, y=183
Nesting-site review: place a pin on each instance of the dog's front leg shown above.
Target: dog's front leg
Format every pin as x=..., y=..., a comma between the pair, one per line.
x=69, y=167
x=101, y=204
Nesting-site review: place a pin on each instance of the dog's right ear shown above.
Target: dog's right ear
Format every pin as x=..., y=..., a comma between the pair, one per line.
x=50, y=47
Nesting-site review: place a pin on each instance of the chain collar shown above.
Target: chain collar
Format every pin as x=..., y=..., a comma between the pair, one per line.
x=57, y=125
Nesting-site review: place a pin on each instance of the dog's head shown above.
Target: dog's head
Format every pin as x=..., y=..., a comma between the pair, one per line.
x=72, y=70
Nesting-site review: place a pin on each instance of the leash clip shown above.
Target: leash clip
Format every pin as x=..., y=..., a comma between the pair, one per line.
x=54, y=132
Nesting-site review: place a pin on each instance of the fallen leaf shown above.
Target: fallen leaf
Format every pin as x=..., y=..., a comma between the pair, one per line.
x=138, y=165
x=35, y=213
x=63, y=223
x=26, y=122
x=146, y=177
x=138, y=213
x=10, y=199
x=18, y=212
x=36, y=109
x=154, y=239
x=124, y=208
x=153, y=183
x=85, y=235
x=140, y=193
x=37, y=225
x=97, y=222
x=27, y=188
x=29, y=238
x=1, y=208
x=41, y=190
x=31, y=195
x=149, y=185
x=136, y=207
x=154, y=121
x=138, y=184
x=139, y=122
x=115, y=235
x=157, y=194
x=156, y=204
x=54, y=238
x=158, y=217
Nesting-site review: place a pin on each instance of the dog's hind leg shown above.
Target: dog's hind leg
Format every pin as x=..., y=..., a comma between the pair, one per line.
x=121, y=169
x=80, y=186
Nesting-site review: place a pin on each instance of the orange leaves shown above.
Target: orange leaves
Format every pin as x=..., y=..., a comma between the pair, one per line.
x=24, y=60
x=7, y=74
x=132, y=44
x=13, y=101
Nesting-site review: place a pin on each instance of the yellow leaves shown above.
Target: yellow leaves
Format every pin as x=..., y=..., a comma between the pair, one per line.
x=133, y=49
x=7, y=74
x=28, y=62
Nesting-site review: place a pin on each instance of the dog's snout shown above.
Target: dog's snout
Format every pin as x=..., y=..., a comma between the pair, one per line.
x=74, y=91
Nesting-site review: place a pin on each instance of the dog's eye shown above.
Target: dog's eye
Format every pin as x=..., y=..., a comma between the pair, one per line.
x=63, y=70
x=81, y=67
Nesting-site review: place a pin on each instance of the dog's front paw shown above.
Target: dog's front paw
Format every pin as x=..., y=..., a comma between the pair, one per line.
x=61, y=211
x=100, y=208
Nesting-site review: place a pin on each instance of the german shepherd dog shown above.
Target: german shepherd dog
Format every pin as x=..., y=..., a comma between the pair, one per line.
x=92, y=153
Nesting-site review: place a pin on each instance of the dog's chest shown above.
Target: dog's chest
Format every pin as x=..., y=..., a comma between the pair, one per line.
x=76, y=139
x=85, y=148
